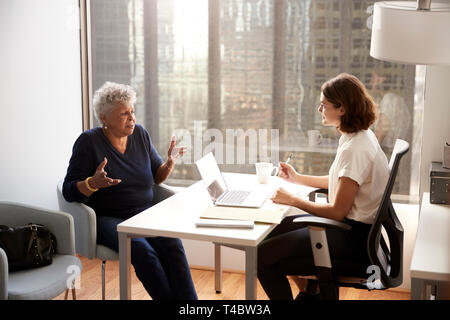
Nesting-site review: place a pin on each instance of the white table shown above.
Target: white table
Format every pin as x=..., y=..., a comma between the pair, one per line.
x=430, y=265
x=175, y=217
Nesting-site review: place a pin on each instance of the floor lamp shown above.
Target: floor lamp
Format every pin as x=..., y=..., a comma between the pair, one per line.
x=411, y=32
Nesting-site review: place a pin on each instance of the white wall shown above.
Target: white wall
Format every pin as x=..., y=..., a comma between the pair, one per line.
x=40, y=89
x=436, y=120
x=201, y=254
x=408, y=214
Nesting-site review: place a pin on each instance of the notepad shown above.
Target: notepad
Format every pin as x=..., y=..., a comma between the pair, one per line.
x=221, y=223
x=272, y=215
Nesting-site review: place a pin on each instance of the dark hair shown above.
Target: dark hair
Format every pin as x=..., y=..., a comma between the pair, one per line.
x=349, y=92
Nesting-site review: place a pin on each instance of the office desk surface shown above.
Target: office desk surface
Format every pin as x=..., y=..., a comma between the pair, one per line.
x=431, y=256
x=176, y=216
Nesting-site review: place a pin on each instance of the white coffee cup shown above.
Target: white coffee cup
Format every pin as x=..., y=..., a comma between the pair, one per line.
x=264, y=170
x=314, y=137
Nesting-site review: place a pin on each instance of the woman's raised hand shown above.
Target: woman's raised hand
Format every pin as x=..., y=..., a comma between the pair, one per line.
x=100, y=179
x=286, y=172
x=175, y=152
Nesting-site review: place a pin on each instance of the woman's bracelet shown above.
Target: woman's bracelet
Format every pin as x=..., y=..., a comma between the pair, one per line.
x=88, y=186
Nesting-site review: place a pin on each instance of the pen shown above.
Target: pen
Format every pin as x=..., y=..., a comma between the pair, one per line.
x=289, y=158
x=287, y=161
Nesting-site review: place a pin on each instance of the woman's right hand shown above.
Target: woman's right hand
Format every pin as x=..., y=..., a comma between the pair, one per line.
x=100, y=179
x=287, y=172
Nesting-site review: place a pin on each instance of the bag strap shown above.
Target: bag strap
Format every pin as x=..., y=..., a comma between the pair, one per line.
x=33, y=238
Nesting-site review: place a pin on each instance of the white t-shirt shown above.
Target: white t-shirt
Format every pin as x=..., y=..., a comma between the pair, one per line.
x=360, y=158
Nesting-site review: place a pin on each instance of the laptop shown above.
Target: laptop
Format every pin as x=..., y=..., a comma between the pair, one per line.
x=218, y=190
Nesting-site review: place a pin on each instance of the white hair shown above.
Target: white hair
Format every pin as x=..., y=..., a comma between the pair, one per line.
x=109, y=94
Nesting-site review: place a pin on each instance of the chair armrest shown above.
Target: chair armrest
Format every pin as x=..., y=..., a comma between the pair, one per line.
x=322, y=223
x=85, y=224
x=312, y=194
x=319, y=243
x=162, y=192
x=3, y=275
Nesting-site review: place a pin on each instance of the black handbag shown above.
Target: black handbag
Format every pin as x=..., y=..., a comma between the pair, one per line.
x=29, y=246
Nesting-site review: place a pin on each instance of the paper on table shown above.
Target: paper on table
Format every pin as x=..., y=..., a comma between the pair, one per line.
x=221, y=223
x=272, y=215
x=301, y=192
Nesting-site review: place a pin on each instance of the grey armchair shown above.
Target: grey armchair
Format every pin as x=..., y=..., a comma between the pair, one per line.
x=45, y=282
x=86, y=227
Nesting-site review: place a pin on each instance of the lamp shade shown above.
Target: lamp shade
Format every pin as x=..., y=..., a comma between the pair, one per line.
x=401, y=33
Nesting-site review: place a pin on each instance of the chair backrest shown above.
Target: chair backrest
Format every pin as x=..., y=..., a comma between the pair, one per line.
x=85, y=224
x=388, y=258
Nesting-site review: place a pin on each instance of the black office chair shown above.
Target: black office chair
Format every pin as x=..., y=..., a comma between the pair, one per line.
x=387, y=260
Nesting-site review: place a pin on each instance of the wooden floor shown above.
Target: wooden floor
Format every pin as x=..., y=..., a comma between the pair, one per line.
x=90, y=286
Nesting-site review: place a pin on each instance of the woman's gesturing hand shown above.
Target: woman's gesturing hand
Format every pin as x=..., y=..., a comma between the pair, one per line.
x=175, y=152
x=100, y=179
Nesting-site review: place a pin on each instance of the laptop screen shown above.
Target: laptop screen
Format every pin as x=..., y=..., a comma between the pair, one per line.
x=211, y=176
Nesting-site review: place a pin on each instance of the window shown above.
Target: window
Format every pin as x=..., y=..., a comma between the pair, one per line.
x=252, y=69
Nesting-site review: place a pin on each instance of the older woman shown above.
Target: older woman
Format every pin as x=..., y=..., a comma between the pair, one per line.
x=355, y=183
x=112, y=170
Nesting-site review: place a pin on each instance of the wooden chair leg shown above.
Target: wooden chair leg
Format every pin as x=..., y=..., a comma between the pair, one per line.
x=74, y=295
x=103, y=279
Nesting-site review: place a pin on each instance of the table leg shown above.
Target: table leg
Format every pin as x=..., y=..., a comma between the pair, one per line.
x=218, y=267
x=417, y=289
x=124, y=266
x=250, y=272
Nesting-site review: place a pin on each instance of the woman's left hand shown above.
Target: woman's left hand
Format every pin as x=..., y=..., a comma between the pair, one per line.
x=283, y=197
x=175, y=152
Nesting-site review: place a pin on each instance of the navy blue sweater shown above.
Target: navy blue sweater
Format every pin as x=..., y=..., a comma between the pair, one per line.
x=136, y=168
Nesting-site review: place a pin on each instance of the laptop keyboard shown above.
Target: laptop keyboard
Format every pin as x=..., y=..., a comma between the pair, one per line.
x=235, y=196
